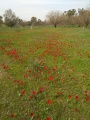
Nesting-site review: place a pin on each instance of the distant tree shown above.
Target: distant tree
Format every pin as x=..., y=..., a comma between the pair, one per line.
x=1, y=17
x=54, y=17
x=84, y=15
x=39, y=22
x=33, y=20
x=29, y=23
x=70, y=13
x=70, y=16
x=1, y=21
x=81, y=11
x=78, y=21
x=10, y=18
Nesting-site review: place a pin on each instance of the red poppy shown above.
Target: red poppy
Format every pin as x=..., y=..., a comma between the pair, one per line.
x=50, y=78
x=70, y=96
x=23, y=92
x=25, y=75
x=58, y=93
x=29, y=70
x=49, y=102
x=86, y=93
x=87, y=98
x=54, y=69
x=31, y=114
x=22, y=83
x=34, y=92
x=5, y=66
x=42, y=89
x=76, y=110
x=31, y=97
x=14, y=52
x=48, y=118
x=77, y=97
x=45, y=67
x=12, y=115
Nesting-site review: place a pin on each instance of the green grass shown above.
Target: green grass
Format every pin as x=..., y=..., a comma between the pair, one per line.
x=45, y=72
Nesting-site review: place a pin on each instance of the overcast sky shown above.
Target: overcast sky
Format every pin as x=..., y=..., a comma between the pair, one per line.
x=25, y=9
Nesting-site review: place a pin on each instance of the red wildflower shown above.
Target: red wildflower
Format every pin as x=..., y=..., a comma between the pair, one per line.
x=86, y=93
x=9, y=78
x=49, y=72
x=26, y=75
x=31, y=114
x=12, y=115
x=54, y=69
x=23, y=92
x=48, y=118
x=76, y=110
x=34, y=92
x=31, y=97
x=58, y=93
x=5, y=66
x=77, y=97
x=29, y=70
x=22, y=83
x=14, y=52
x=87, y=98
x=49, y=102
x=50, y=78
x=88, y=56
x=42, y=89
x=70, y=96
x=45, y=67
x=16, y=81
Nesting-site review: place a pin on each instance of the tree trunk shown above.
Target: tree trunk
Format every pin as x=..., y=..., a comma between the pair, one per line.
x=55, y=26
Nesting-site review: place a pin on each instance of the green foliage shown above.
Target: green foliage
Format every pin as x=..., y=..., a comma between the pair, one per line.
x=70, y=13
x=10, y=18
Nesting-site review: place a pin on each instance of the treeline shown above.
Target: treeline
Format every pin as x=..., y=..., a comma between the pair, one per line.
x=11, y=20
x=71, y=17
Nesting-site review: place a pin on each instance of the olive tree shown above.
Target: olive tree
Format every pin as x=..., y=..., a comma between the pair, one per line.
x=10, y=18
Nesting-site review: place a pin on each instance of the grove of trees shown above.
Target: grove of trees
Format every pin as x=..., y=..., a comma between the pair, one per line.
x=71, y=17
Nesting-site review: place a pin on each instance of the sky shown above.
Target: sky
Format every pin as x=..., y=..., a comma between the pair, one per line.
x=25, y=9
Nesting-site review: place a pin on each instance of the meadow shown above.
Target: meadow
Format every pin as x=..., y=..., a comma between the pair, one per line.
x=45, y=73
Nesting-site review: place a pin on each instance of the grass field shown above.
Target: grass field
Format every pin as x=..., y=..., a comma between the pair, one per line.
x=45, y=74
